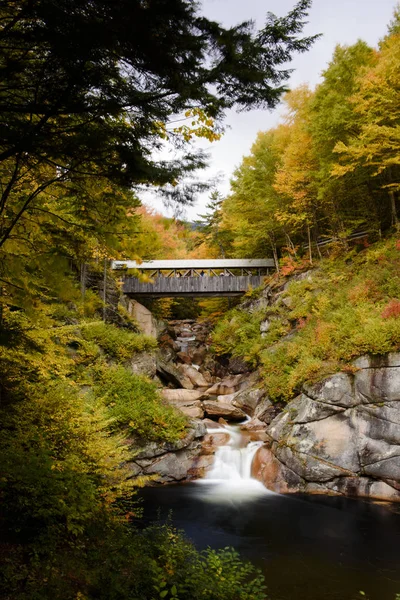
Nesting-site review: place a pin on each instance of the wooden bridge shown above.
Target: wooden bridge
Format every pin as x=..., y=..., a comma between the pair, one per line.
x=169, y=278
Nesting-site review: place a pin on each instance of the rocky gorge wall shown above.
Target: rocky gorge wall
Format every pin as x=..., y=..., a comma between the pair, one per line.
x=340, y=436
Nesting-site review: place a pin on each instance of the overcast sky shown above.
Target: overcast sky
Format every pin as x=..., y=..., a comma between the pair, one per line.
x=340, y=22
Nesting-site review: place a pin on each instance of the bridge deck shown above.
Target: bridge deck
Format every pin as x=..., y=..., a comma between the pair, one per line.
x=191, y=286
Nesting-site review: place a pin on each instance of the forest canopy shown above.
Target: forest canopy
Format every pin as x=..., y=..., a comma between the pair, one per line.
x=329, y=171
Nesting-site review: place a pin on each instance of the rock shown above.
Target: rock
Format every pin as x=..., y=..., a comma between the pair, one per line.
x=238, y=366
x=180, y=396
x=210, y=424
x=143, y=363
x=377, y=385
x=227, y=386
x=194, y=376
x=264, y=326
x=378, y=362
x=194, y=411
x=187, y=401
x=172, y=466
x=212, y=441
x=248, y=399
x=153, y=449
x=265, y=411
x=255, y=430
x=170, y=461
x=341, y=436
x=134, y=469
x=273, y=474
x=200, y=465
x=223, y=409
x=184, y=358
x=337, y=389
x=144, y=318
x=198, y=355
x=171, y=374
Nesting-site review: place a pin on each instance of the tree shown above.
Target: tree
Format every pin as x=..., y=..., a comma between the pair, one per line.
x=210, y=226
x=296, y=175
x=250, y=211
x=90, y=86
x=348, y=203
x=377, y=145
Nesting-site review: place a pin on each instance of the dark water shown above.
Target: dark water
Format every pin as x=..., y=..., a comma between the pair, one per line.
x=312, y=548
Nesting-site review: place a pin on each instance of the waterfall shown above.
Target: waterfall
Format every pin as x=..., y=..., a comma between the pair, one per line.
x=233, y=461
x=230, y=475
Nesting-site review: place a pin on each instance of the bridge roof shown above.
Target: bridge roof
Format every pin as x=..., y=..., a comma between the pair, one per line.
x=228, y=263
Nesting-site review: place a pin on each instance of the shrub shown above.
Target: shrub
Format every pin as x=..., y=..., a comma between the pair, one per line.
x=133, y=402
x=119, y=343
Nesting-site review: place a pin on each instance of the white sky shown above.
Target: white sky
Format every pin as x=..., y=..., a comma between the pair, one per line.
x=340, y=22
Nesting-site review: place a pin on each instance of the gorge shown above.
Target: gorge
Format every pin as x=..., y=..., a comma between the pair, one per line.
x=296, y=488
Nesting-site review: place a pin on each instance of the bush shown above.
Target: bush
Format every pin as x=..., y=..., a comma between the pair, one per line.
x=118, y=343
x=133, y=402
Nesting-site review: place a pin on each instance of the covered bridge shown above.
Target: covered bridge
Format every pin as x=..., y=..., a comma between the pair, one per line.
x=197, y=277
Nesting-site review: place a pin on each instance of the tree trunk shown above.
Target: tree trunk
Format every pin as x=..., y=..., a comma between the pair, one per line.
x=395, y=220
x=105, y=290
x=83, y=285
x=309, y=243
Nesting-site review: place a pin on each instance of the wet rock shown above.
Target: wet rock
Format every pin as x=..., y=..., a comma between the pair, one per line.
x=200, y=465
x=184, y=358
x=255, y=430
x=212, y=441
x=273, y=474
x=210, y=424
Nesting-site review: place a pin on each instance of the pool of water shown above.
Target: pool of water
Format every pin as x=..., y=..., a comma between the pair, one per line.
x=309, y=548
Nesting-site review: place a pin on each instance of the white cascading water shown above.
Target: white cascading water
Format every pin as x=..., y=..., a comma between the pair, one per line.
x=230, y=475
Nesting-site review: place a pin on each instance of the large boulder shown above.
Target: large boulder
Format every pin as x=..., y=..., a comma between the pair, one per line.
x=197, y=378
x=223, y=408
x=188, y=401
x=340, y=436
x=226, y=386
x=171, y=374
x=170, y=461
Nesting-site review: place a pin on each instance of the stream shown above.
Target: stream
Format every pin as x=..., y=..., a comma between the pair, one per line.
x=309, y=548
